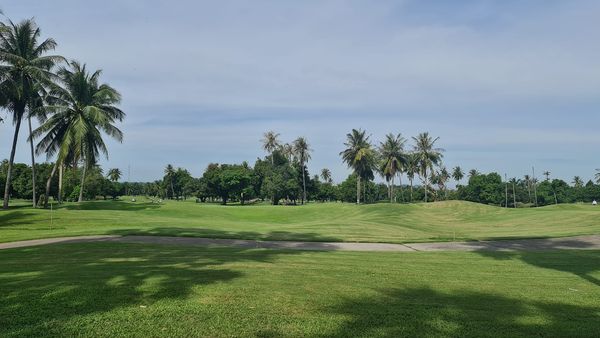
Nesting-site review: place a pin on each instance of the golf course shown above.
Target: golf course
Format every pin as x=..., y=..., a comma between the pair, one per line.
x=133, y=289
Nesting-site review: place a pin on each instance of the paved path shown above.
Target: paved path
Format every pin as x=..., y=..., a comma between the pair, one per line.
x=565, y=243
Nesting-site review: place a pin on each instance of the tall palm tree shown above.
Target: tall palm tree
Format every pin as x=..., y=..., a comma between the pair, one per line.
x=169, y=173
x=287, y=150
x=25, y=70
x=393, y=158
x=443, y=178
x=114, y=174
x=359, y=156
x=547, y=174
x=302, y=151
x=270, y=143
x=597, y=176
x=82, y=110
x=457, y=174
x=326, y=175
x=411, y=170
x=428, y=156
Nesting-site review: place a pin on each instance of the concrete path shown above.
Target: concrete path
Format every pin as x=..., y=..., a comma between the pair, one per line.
x=591, y=242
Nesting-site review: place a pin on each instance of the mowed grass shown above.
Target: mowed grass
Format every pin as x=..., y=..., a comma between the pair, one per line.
x=115, y=290
x=394, y=223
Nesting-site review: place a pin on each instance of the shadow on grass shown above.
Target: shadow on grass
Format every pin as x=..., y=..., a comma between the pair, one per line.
x=15, y=217
x=42, y=288
x=221, y=234
x=111, y=205
x=423, y=312
x=581, y=263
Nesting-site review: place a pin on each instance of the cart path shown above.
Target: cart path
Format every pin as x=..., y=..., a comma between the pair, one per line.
x=590, y=242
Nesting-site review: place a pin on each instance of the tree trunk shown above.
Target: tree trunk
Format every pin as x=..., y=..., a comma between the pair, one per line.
x=392, y=197
x=32, y=164
x=401, y=189
x=48, y=182
x=426, y=183
x=82, y=181
x=60, y=181
x=303, y=184
x=10, y=165
x=357, y=189
x=411, y=189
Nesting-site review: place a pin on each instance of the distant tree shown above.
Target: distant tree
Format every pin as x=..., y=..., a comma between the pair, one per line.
x=169, y=175
x=287, y=150
x=359, y=156
x=411, y=170
x=547, y=174
x=326, y=175
x=114, y=174
x=393, y=159
x=302, y=151
x=428, y=156
x=527, y=179
x=473, y=172
x=457, y=174
x=270, y=143
x=25, y=72
x=577, y=182
x=597, y=176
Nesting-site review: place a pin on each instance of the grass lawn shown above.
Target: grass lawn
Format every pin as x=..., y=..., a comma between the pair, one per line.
x=114, y=289
x=314, y=222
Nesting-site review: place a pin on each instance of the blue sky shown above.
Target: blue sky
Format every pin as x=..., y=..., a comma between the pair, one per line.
x=505, y=84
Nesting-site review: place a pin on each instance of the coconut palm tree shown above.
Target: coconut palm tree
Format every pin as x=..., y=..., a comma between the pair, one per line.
x=270, y=143
x=473, y=172
x=393, y=158
x=411, y=170
x=114, y=174
x=457, y=174
x=547, y=174
x=597, y=176
x=25, y=70
x=302, y=151
x=326, y=175
x=359, y=156
x=169, y=173
x=443, y=178
x=428, y=156
x=287, y=150
x=577, y=182
x=82, y=111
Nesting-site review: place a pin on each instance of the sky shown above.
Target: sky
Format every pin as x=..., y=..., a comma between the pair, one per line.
x=505, y=84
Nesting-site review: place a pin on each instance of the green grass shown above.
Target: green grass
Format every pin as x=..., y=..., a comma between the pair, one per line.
x=314, y=222
x=115, y=289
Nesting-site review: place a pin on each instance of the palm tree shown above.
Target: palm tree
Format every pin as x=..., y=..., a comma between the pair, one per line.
x=169, y=173
x=443, y=178
x=547, y=174
x=527, y=179
x=393, y=158
x=270, y=143
x=359, y=156
x=287, y=150
x=326, y=175
x=302, y=151
x=82, y=110
x=473, y=172
x=411, y=170
x=114, y=174
x=25, y=70
x=457, y=174
x=597, y=176
x=427, y=156
x=577, y=182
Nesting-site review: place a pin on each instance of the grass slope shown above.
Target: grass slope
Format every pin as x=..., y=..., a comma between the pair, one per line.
x=314, y=222
x=116, y=290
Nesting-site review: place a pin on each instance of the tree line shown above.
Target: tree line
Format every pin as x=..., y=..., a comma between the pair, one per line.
x=74, y=109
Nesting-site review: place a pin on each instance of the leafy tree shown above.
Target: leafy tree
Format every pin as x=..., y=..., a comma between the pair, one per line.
x=326, y=175
x=25, y=71
x=428, y=156
x=393, y=159
x=168, y=178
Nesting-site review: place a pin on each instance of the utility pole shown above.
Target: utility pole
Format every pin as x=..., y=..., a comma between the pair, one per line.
x=534, y=185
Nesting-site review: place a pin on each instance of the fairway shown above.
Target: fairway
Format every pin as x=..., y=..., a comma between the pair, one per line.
x=111, y=290
x=392, y=223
